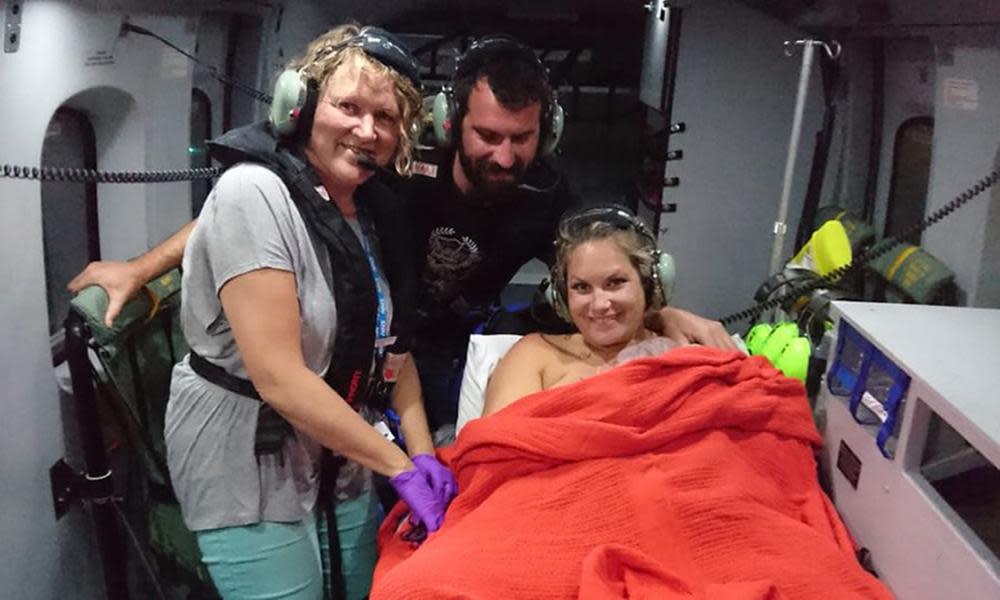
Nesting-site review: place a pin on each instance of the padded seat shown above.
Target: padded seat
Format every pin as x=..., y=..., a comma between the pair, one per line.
x=131, y=364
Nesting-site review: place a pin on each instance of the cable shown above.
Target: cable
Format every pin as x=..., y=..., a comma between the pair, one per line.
x=93, y=176
x=214, y=72
x=868, y=255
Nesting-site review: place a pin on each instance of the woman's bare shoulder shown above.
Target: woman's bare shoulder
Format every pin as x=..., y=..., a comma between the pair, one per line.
x=531, y=352
x=519, y=372
x=533, y=342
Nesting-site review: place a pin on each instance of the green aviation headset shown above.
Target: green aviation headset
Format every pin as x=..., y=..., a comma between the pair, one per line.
x=296, y=95
x=658, y=290
x=446, y=114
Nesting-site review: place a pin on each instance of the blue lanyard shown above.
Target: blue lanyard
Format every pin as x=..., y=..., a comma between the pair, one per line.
x=382, y=313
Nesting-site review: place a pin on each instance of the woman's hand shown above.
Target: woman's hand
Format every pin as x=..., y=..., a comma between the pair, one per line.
x=438, y=476
x=415, y=490
x=409, y=406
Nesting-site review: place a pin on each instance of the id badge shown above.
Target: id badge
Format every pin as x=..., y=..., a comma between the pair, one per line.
x=391, y=367
x=384, y=431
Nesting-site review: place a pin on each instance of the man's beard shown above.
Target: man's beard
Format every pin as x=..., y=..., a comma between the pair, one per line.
x=479, y=172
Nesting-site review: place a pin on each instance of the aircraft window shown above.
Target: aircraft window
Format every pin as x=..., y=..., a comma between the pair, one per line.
x=69, y=212
x=201, y=131
x=911, y=167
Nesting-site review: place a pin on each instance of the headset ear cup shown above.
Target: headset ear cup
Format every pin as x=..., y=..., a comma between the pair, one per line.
x=555, y=299
x=443, y=118
x=666, y=272
x=290, y=97
x=557, y=121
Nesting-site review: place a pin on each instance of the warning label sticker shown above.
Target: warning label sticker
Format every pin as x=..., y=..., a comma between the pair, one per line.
x=962, y=94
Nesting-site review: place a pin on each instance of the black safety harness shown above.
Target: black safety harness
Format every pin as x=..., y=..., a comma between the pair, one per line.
x=351, y=283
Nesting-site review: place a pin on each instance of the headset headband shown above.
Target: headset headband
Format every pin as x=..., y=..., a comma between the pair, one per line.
x=612, y=214
x=490, y=46
x=384, y=47
x=296, y=95
x=449, y=108
x=659, y=287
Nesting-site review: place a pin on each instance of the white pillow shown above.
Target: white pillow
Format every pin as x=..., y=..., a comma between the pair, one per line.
x=485, y=351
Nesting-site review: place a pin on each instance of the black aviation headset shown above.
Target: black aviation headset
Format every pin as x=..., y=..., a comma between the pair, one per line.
x=658, y=290
x=296, y=95
x=447, y=114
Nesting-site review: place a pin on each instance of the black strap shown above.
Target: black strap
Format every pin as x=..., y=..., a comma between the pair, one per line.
x=272, y=428
x=354, y=288
x=329, y=470
x=380, y=210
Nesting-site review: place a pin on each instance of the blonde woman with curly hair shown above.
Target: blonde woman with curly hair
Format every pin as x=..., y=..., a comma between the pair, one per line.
x=291, y=305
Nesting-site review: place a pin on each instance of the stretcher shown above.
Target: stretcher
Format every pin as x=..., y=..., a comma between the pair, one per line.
x=686, y=475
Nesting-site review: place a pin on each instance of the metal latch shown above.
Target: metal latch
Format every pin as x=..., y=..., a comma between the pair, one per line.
x=69, y=486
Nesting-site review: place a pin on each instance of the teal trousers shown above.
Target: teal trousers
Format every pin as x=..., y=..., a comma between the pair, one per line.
x=290, y=561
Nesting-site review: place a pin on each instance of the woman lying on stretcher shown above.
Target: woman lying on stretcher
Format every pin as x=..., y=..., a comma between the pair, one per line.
x=681, y=477
x=685, y=476
x=607, y=282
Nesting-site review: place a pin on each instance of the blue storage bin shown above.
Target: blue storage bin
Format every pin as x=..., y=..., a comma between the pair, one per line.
x=875, y=385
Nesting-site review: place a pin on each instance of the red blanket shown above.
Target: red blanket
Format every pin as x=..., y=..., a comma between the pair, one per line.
x=689, y=475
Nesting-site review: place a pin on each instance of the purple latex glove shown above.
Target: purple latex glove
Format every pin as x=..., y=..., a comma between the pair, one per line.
x=425, y=507
x=438, y=475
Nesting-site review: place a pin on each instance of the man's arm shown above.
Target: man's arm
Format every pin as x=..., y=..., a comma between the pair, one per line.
x=686, y=328
x=121, y=280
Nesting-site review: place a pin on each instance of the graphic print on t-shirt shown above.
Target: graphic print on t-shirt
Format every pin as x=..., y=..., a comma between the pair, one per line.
x=451, y=259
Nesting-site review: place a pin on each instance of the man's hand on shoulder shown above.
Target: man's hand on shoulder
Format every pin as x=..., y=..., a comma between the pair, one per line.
x=121, y=280
x=687, y=328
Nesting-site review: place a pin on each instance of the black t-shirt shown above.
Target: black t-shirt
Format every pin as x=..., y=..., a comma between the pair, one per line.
x=467, y=249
